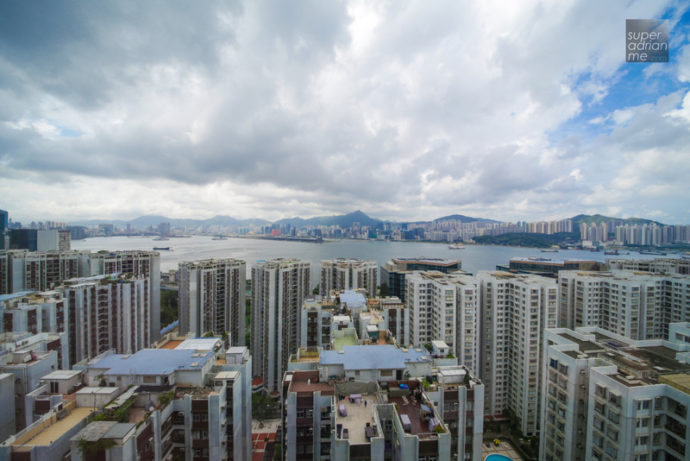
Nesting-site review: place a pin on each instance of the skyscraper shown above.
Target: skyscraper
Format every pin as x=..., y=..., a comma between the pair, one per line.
x=515, y=311
x=213, y=298
x=279, y=288
x=349, y=274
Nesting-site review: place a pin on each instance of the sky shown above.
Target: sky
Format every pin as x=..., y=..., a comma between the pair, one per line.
x=404, y=109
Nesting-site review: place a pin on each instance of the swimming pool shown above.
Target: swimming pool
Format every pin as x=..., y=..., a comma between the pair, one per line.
x=495, y=457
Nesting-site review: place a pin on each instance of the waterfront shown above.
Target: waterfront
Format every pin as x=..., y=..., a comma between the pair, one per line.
x=474, y=257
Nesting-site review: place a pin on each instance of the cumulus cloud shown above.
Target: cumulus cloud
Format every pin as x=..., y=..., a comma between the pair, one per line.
x=271, y=109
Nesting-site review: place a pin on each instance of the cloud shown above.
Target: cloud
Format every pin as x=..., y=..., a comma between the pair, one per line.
x=401, y=109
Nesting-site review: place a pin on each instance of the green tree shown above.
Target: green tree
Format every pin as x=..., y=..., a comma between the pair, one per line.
x=169, y=309
x=264, y=407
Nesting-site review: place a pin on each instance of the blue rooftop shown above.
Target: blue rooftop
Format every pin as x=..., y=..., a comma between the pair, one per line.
x=353, y=299
x=153, y=362
x=18, y=294
x=383, y=357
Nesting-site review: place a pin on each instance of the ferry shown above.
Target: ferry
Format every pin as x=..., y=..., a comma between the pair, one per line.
x=161, y=248
x=456, y=246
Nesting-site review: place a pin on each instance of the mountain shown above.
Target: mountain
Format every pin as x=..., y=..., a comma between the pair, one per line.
x=155, y=220
x=345, y=220
x=463, y=218
x=598, y=219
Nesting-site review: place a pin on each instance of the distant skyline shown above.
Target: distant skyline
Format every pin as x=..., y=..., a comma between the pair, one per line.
x=406, y=110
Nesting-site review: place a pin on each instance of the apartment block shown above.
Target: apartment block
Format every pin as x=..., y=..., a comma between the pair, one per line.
x=547, y=267
x=444, y=307
x=212, y=298
x=394, y=271
x=679, y=266
x=22, y=270
x=28, y=366
x=349, y=274
x=317, y=319
x=459, y=397
x=358, y=420
x=638, y=305
x=608, y=397
x=395, y=317
x=107, y=312
x=191, y=401
x=516, y=309
x=139, y=264
x=41, y=271
x=380, y=401
x=279, y=288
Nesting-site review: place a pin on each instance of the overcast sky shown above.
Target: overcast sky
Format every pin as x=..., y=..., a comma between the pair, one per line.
x=405, y=110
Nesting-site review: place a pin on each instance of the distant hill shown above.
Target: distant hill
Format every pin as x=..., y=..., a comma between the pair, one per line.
x=143, y=222
x=346, y=220
x=523, y=239
x=598, y=219
x=463, y=218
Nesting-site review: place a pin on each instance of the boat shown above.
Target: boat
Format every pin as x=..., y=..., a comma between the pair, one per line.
x=611, y=252
x=161, y=248
x=456, y=246
x=161, y=239
x=651, y=252
x=219, y=237
x=549, y=250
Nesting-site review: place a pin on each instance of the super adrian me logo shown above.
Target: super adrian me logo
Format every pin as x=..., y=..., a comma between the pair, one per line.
x=646, y=40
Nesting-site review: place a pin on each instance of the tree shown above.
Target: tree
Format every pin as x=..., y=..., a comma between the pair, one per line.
x=169, y=309
x=384, y=290
x=264, y=407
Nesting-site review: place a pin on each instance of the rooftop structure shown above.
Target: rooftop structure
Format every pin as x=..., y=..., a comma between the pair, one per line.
x=620, y=380
x=393, y=273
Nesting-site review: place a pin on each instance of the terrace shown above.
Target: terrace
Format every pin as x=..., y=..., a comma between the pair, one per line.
x=358, y=418
x=421, y=416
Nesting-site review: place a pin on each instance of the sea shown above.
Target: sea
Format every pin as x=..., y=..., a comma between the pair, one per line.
x=252, y=250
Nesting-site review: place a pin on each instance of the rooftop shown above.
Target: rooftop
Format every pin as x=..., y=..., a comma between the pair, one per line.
x=53, y=432
x=104, y=430
x=308, y=382
x=344, y=340
x=353, y=299
x=58, y=375
x=417, y=413
x=358, y=414
x=373, y=357
x=152, y=362
x=200, y=344
x=18, y=294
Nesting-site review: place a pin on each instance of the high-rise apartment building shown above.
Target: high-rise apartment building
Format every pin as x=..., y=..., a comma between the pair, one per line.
x=212, y=298
x=376, y=401
x=192, y=402
x=279, y=288
x=607, y=397
x=22, y=270
x=515, y=311
x=107, y=313
x=638, y=305
x=41, y=271
x=658, y=265
x=444, y=307
x=394, y=271
x=349, y=274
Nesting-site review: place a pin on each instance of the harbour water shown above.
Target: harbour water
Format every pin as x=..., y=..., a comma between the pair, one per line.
x=474, y=257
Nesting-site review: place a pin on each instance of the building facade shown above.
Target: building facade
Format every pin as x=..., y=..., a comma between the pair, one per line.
x=444, y=307
x=516, y=309
x=212, y=298
x=279, y=288
x=607, y=397
x=349, y=274
x=633, y=304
